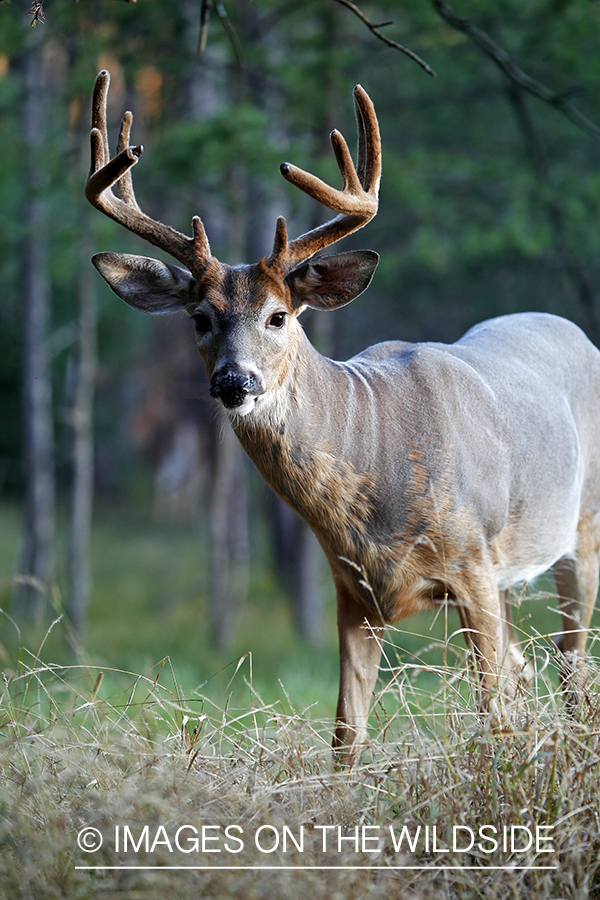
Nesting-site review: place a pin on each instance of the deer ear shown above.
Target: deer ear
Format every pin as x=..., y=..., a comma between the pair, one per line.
x=149, y=285
x=328, y=282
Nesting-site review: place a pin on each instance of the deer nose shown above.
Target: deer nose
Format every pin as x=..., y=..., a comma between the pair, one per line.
x=233, y=387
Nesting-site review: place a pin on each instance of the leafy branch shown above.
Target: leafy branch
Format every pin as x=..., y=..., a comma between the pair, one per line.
x=520, y=78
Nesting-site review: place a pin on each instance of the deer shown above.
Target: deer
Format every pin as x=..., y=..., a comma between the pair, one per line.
x=430, y=473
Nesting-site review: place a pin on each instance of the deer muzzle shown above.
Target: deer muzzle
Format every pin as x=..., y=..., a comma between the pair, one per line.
x=234, y=389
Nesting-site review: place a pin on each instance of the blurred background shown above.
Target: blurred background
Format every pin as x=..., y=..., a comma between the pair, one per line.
x=127, y=510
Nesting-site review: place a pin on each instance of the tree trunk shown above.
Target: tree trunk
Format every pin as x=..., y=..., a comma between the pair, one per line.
x=40, y=511
x=228, y=522
x=298, y=561
x=82, y=485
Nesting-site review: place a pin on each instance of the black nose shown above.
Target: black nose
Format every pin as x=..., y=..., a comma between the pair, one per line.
x=232, y=387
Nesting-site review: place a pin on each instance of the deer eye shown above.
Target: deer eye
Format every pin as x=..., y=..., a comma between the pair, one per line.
x=277, y=320
x=202, y=323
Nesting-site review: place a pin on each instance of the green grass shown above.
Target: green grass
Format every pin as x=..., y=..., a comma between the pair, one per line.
x=150, y=602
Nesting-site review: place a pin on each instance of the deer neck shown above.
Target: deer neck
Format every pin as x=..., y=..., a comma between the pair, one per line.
x=300, y=449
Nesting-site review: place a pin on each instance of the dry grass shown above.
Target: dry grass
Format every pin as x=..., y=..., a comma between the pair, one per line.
x=73, y=757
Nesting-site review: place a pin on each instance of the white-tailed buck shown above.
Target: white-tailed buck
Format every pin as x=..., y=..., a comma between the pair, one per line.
x=430, y=473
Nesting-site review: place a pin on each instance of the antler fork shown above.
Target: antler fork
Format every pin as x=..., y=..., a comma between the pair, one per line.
x=356, y=202
x=122, y=207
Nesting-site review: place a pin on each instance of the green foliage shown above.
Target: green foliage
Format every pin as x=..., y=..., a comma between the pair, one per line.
x=204, y=152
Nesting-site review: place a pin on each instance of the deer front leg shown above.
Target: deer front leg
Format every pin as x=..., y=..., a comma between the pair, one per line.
x=360, y=632
x=519, y=670
x=482, y=618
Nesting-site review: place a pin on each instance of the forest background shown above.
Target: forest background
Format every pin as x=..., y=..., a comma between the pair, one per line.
x=127, y=510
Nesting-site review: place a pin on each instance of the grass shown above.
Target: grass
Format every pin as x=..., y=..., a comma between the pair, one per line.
x=122, y=735
x=74, y=756
x=150, y=600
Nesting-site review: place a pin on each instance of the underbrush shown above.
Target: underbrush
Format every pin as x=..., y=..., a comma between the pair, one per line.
x=246, y=801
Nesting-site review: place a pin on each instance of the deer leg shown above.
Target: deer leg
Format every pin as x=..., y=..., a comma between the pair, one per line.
x=514, y=661
x=360, y=632
x=576, y=580
x=482, y=616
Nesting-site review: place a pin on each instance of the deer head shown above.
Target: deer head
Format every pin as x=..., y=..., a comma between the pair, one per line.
x=245, y=316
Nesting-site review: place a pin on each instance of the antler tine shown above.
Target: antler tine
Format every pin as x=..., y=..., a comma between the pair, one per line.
x=99, y=120
x=369, y=140
x=357, y=201
x=124, y=186
x=122, y=207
